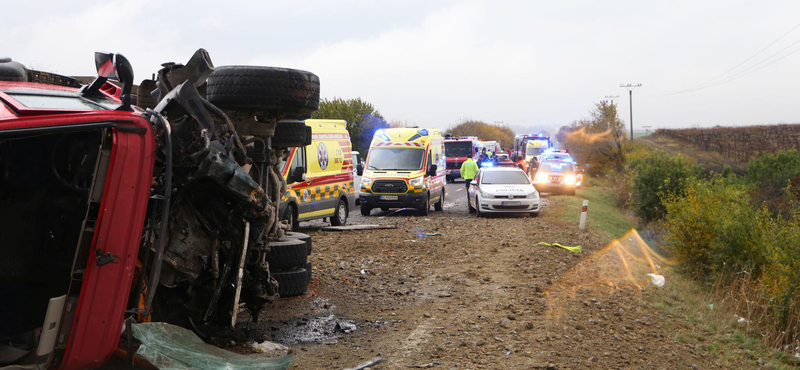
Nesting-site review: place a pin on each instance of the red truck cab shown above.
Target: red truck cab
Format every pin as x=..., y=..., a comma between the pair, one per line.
x=456, y=151
x=75, y=178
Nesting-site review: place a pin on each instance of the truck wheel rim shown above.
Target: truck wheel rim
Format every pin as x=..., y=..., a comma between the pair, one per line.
x=342, y=213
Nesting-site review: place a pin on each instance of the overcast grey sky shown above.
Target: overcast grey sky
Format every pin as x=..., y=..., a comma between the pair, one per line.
x=524, y=63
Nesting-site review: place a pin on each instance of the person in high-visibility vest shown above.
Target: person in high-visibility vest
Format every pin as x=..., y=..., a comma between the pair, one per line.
x=468, y=170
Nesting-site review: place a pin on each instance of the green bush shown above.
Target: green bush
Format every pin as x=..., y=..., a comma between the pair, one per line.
x=695, y=219
x=656, y=175
x=774, y=170
x=776, y=181
x=716, y=233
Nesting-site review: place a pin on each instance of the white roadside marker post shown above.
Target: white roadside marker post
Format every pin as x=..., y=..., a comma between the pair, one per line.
x=583, y=213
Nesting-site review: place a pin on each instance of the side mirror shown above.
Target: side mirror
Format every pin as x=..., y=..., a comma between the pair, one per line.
x=360, y=169
x=114, y=67
x=432, y=170
x=473, y=182
x=298, y=175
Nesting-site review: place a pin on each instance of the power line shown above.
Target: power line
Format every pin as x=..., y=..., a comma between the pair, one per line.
x=748, y=59
x=755, y=70
x=747, y=70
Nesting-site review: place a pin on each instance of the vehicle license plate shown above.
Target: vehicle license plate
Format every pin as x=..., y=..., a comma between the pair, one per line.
x=510, y=203
x=388, y=197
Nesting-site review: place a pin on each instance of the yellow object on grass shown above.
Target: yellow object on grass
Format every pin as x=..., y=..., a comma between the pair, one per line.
x=571, y=249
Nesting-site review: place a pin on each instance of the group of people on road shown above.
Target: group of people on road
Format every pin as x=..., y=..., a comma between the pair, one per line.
x=470, y=168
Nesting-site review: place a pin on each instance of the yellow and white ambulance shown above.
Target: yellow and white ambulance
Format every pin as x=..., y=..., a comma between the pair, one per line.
x=319, y=176
x=405, y=169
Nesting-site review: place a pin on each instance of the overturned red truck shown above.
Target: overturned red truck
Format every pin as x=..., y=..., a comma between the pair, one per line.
x=159, y=205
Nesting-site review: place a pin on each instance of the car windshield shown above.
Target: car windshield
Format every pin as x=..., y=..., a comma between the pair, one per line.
x=504, y=177
x=535, y=151
x=458, y=149
x=559, y=157
x=389, y=159
x=58, y=102
x=556, y=167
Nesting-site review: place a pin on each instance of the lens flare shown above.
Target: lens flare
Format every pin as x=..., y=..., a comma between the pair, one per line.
x=588, y=137
x=622, y=264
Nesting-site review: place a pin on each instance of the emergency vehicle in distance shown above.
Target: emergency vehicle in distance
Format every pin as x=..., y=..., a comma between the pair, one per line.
x=456, y=151
x=528, y=146
x=320, y=177
x=520, y=151
x=405, y=169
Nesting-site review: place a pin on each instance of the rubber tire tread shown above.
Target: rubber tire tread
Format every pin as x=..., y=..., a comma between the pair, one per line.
x=308, y=269
x=292, y=283
x=294, y=224
x=365, y=211
x=425, y=209
x=291, y=134
x=293, y=92
x=439, y=206
x=287, y=253
x=335, y=221
x=304, y=237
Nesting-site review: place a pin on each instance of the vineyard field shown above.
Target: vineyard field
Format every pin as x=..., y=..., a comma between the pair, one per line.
x=739, y=143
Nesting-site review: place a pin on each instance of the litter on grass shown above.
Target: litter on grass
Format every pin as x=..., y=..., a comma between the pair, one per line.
x=571, y=249
x=658, y=280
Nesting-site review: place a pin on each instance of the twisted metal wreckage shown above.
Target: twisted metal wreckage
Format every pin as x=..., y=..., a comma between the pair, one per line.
x=215, y=197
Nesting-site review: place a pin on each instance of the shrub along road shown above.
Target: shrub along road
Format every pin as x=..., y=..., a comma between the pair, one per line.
x=482, y=294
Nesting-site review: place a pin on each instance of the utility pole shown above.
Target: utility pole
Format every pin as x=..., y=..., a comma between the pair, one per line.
x=647, y=130
x=612, y=97
x=630, y=88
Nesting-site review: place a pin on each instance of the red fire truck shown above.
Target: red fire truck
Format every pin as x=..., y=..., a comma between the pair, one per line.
x=456, y=151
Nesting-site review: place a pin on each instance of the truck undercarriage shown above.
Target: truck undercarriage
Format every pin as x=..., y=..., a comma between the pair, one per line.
x=225, y=186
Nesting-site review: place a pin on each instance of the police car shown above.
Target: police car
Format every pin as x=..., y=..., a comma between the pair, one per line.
x=502, y=190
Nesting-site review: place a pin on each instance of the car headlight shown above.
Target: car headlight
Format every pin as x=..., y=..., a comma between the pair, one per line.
x=365, y=182
x=416, y=181
x=569, y=179
x=540, y=177
x=533, y=195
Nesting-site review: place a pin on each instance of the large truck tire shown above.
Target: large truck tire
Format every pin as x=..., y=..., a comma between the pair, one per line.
x=300, y=236
x=292, y=283
x=290, y=92
x=291, y=133
x=287, y=253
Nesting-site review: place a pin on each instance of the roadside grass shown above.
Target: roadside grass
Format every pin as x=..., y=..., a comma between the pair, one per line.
x=715, y=332
x=712, y=330
x=602, y=215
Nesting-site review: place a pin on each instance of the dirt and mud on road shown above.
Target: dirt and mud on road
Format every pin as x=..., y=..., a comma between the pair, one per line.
x=481, y=295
